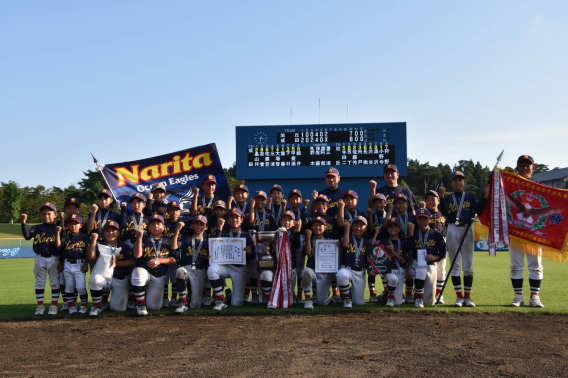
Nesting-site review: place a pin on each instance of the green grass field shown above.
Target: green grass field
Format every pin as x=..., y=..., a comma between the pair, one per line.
x=11, y=231
x=492, y=293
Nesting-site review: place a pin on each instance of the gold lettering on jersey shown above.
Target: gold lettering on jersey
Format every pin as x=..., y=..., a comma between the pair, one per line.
x=189, y=253
x=429, y=243
x=151, y=252
x=351, y=248
x=80, y=244
x=41, y=238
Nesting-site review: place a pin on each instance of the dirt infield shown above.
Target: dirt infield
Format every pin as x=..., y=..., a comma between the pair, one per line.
x=385, y=344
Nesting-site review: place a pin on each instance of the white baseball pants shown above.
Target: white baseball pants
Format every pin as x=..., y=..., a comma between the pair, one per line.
x=358, y=281
x=196, y=279
x=237, y=274
x=455, y=235
x=323, y=284
x=154, y=287
x=534, y=264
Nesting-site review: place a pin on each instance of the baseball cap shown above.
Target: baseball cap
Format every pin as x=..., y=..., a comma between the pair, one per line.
x=75, y=218
x=111, y=223
x=49, y=205
x=235, y=211
x=400, y=197
x=220, y=203
x=379, y=196
x=423, y=213
x=431, y=193
x=260, y=193
x=332, y=172
x=242, y=187
x=276, y=187
x=320, y=219
x=457, y=174
x=295, y=191
x=394, y=221
x=174, y=205
x=104, y=192
x=138, y=196
x=210, y=178
x=390, y=167
x=351, y=193
x=155, y=217
x=321, y=197
x=525, y=157
x=200, y=218
x=159, y=186
x=360, y=218
x=288, y=213
x=73, y=201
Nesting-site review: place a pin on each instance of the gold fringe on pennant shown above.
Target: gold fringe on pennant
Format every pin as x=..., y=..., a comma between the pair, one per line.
x=534, y=249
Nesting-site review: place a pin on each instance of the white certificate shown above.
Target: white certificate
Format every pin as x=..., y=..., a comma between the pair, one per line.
x=327, y=256
x=227, y=251
x=421, y=260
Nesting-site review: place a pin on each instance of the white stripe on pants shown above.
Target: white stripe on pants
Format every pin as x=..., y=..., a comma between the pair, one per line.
x=357, y=279
x=44, y=266
x=154, y=287
x=534, y=264
x=455, y=235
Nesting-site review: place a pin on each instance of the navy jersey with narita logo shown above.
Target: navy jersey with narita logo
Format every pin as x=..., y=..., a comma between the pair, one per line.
x=349, y=255
x=331, y=229
x=170, y=227
x=450, y=209
x=127, y=224
x=204, y=205
x=243, y=208
x=430, y=240
x=155, y=207
x=149, y=253
x=391, y=193
x=266, y=218
x=44, y=238
x=404, y=220
x=438, y=222
x=187, y=251
x=75, y=246
x=334, y=195
x=101, y=218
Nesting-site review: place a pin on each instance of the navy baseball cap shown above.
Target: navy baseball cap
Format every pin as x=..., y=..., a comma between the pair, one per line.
x=390, y=167
x=276, y=187
x=288, y=213
x=296, y=192
x=394, y=221
x=351, y=193
x=431, y=193
x=332, y=172
x=104, y=192
x=159, y=186
x=400, y=197
x=111, y=223
x=210, y=178
x=200, y=218
x=360, y=218
x=174, y=205
x=138, y=196
x=74, y=218
x=319, y=219
x=423, y=213
x=525, y=157
x=72, y=201
x=379, y=196
x=260, y=193
x=49, y=205
x=457, y=174
x=321, y=197
x=235, y=211
x=242, y=187
x=156, y=217
x=220, y=203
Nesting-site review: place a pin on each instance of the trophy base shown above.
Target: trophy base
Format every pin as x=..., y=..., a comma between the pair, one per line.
x=266, y=264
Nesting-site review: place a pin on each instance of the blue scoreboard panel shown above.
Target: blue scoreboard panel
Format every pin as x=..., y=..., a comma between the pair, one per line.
x=358, y=150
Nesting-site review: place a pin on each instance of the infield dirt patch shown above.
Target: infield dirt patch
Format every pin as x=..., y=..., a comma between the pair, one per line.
x=384, y=344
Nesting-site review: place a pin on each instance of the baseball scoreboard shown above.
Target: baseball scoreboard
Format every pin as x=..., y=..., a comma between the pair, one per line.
x=304, y=151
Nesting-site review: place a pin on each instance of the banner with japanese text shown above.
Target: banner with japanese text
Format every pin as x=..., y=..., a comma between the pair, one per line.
x=179, y=171
x=531, y=214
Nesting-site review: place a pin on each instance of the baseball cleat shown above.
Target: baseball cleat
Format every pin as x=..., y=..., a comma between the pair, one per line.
x=206, y=301
x=535, y=301
x=83, y=310
x=271, y=307
x=335, y=299
x=174, y=303
x=181, y=308
x=105, y=305
x=458, y=302
x=390, y=302
x=373, y=298
x=468, y=302
x=246, y=298
x=131, y=305
x=72, y=310
x=409, y=298
x=141, y=310
x=166, y=303
x=219, y=305
x=308, y=304
x=347, y=303
x=518, y=301
x=40, y=310
x=419, y=302
x=95, y=311
x=52, y=310
x=441, y=299
x=65, y=307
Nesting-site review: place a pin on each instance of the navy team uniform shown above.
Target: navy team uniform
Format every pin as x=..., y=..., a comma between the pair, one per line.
x=434, y=244
x=154, y=207
x=204, y=205
x=334, y=195
x=101, y=218
x=353, y=266
x=129, y=223
x=193, y=270
x=397, y=273
x=74, y=257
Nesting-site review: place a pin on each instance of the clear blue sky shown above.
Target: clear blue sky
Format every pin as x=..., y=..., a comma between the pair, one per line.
x=132, y=79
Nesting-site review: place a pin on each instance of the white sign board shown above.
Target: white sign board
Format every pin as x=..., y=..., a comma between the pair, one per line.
x=327, y=256
x=227, y=251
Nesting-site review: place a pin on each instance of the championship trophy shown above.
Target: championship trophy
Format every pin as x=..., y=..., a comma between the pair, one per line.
x=266, y=260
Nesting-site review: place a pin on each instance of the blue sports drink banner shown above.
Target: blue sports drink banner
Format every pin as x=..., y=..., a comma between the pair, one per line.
x=180, y=172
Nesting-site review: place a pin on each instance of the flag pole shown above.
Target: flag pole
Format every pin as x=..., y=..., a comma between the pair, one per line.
x=100, y=169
